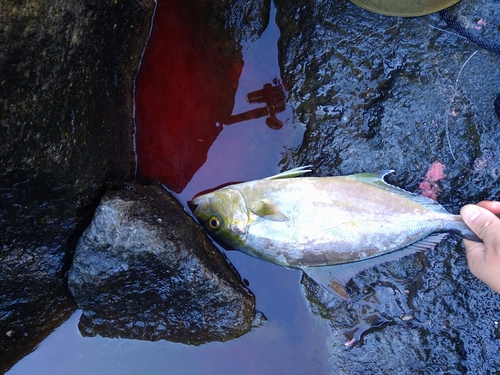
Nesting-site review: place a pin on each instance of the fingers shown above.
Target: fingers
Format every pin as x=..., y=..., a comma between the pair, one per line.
x=491, y=206
x=483, y=222
x=476, y=256
x=484, y=258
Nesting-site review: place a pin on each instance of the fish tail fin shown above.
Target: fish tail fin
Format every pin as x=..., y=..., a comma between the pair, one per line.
x=461, y=229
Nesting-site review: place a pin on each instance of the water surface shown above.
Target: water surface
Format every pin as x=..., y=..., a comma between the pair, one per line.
x=292, y=340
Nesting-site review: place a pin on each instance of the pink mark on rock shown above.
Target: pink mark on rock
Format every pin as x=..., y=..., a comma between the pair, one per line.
x=429, y=186
x=480, y=23
x=480, y=164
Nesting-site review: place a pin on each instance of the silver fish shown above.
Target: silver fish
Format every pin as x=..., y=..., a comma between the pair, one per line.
x=329, y=227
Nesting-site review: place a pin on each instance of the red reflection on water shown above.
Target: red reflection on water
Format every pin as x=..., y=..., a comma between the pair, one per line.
x=185, y=91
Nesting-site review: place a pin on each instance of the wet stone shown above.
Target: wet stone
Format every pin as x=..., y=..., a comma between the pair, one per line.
x=379, y=93
x=66, y=131
x=145, y=270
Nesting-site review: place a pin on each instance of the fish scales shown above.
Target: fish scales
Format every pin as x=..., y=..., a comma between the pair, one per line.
x=340, y=220
x=324, y=224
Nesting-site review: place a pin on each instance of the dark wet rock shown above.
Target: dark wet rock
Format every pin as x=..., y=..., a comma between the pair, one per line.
x=143, y=269
x=66, y=73
x=421, y=314
x=497, y=106
x=477, y=21
x=245, y=20
x=376, y=93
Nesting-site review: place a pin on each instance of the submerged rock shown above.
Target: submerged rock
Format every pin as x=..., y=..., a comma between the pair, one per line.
x=143, y=269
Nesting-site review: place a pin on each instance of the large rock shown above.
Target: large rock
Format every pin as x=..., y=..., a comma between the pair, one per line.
x=67, y=73
x=376, y=93
x=66, y=77
x=143, y=269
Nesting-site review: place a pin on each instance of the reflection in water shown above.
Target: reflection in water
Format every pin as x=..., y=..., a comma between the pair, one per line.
x=273, y=97
x=291, y=342
x=185, y=89
x=192, y=84
x=245, y=148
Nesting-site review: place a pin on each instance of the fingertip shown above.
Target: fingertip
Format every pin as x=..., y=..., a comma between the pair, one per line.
x=493, y=206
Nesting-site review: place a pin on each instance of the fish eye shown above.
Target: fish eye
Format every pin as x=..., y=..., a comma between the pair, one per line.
x=214, y=223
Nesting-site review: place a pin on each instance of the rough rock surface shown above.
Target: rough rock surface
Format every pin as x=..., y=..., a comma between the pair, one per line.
x=376, y=93
x=66, y=78
x=373, y=93
x=143, y=269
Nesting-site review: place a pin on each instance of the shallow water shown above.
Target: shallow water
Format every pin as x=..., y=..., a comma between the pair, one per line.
x=249, y=149
x=183, y=139
x=291, y=341
x=350, y=108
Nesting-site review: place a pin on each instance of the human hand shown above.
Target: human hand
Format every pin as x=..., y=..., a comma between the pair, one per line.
x=484, y=258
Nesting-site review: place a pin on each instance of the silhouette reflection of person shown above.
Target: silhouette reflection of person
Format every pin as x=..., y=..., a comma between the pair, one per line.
x=274, y=99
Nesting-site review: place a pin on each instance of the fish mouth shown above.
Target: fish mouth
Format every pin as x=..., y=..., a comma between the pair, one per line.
x=194, y=203
x=192, y=206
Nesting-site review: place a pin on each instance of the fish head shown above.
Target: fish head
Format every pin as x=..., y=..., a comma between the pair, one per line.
x=224, y=215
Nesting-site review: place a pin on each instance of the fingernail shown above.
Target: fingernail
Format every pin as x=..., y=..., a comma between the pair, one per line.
x=470, y=212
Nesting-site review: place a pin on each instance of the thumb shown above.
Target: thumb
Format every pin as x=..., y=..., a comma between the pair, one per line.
x=483, y=223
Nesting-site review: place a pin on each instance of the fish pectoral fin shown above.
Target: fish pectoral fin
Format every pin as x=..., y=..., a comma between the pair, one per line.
x=295, y=172
x=267, y=210
x=336, y=277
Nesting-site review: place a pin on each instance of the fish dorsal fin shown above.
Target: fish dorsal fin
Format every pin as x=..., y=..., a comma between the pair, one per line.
x=377, y=179
x=336, y=277
x=295, y=172
x=267, y=210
